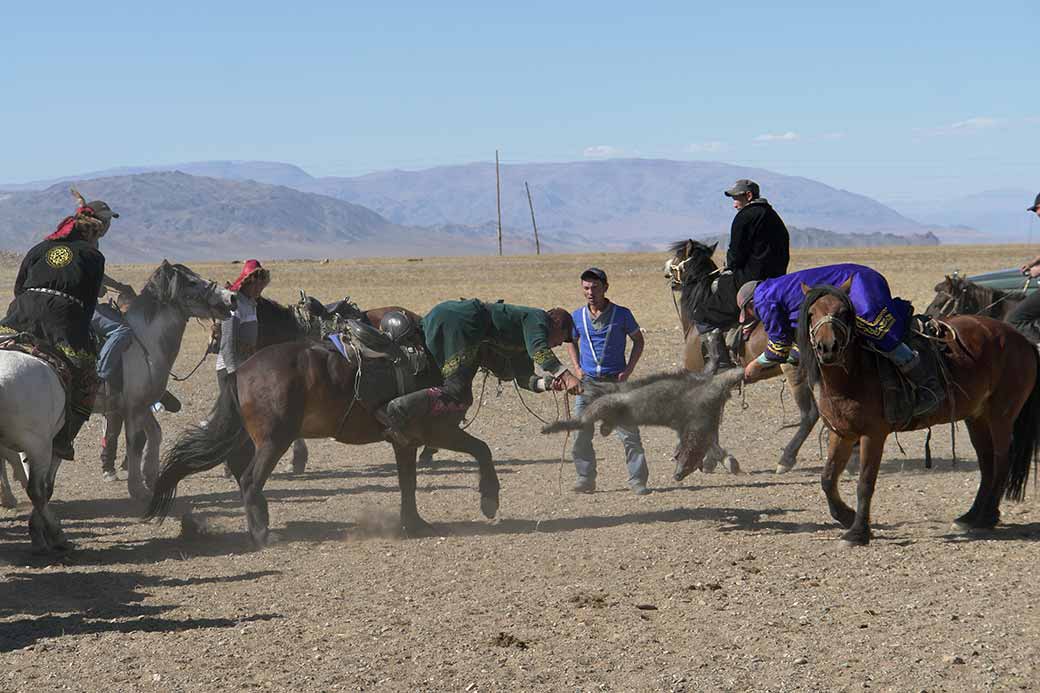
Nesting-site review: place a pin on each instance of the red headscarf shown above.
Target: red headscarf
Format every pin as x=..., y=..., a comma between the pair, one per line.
x=250, y=268
x=68, y=223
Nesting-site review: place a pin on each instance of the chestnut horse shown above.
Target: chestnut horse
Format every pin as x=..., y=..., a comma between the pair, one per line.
x=994, y=387
x=957, y=295
x=691, y=271
x=304, y=389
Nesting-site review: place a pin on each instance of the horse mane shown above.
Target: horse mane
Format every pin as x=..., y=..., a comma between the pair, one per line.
x=697, y=280
x=276, y=319
x=809, y=364
x=679, y=246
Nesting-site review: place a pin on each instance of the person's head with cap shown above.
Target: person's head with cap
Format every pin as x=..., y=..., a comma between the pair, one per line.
x=252, y=280
x=1036, y=206
x=594, y=286
x=746, y=301
x=743, y=192
x=89, y=222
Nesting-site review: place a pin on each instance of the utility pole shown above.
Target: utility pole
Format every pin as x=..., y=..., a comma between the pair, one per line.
x=537, y=246
x=498, y=199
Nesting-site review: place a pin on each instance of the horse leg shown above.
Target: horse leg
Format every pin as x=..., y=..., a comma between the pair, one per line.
x=838, y=451
x=982, y=441
x=299, y=456
x=809, y=415
x=871, y=449
x=251, y=483
x=412, y=524
x=426, y=456
x=7, y=498
x=989, y=508
x=44, y=527
x=135, y=442
x=456, y=439
x=153, y=443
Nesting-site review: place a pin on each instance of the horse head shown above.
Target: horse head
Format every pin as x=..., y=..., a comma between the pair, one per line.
x=952, y=295
x=689, y=258
x=826, y=324
x=174, y=284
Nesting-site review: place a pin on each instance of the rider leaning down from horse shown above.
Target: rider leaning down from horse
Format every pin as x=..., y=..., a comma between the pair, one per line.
x=464, y=336
x=55, y=293
x=881, y=319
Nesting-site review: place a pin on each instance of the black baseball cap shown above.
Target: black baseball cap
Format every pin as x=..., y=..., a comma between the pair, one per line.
x=1036, y=203
x=594, y=273
x=101, y=209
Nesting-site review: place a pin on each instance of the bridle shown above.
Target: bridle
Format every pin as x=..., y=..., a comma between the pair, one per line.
x=842, y=330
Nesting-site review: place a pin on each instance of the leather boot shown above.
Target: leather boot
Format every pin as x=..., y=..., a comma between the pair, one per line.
x=928, y=393
x=62, y=443
x=401, y=412
x=170, y=403
x=718, y=352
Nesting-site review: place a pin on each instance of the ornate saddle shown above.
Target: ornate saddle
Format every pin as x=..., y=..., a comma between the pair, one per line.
x=319, y=320
x=386, y=369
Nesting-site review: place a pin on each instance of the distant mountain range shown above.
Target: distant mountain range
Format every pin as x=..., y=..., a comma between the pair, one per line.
x=822, y=238
x=998, y=215
x=223, y=209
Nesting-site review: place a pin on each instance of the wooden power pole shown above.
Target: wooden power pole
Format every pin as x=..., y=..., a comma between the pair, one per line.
x=537, y=246
x=498, y=199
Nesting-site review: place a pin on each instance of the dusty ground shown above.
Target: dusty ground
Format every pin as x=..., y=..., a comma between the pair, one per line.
x=722, y=583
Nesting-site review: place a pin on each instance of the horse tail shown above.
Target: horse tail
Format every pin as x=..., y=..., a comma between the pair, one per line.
x=197, y=449
x=1025, y=440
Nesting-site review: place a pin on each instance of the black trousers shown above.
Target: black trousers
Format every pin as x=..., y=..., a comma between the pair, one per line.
x=1025, y=317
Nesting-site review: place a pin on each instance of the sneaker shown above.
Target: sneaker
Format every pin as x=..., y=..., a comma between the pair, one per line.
x=584, y=486
x=109, y=475
x=640, y=489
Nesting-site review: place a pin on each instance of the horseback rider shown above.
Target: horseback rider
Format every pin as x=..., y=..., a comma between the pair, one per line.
x=463, y=336
x=1027, y=313
x=56, y=290
x=882, y=320
x=759, y=248
x=239, y=333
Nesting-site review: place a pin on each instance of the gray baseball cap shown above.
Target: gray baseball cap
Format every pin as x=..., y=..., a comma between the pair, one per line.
x=742, y=187
x=1036, y=203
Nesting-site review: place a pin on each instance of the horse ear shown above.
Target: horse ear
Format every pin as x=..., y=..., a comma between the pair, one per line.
x=714, y=246
x=846, y=285
x=805, y=289
x=79, y=198
x=689, y=247
x=165, y=263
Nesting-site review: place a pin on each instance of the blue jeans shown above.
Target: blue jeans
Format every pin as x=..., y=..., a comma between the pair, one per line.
x=585, y=456
x=118, y=337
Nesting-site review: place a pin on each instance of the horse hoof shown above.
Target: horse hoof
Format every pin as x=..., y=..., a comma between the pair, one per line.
x=731, y=465
x=489, y=506
x=417, y=528
x=9, y=502
x=855, y=539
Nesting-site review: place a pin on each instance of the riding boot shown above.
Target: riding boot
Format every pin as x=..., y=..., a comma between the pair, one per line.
x=718, y=352
x=170, y=403
x=400, y=413
x=928, y=393
x=62, y=443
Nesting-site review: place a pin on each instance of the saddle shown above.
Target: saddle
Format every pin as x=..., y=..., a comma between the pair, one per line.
x=319, y=320
x=385, y=369
x=932, y=340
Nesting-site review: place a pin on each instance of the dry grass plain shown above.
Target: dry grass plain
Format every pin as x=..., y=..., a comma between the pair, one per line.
x=721, y=583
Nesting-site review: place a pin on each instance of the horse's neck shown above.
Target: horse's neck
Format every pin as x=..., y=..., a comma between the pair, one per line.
x=161, y=336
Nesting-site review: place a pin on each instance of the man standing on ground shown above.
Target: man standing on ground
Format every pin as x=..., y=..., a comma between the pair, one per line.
x=759, y=248
x=601, y=330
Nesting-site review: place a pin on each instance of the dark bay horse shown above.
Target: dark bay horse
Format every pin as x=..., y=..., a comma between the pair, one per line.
x=956, y=295
x=277, y=324
x=297, y=390
x=691, y=270
x=994, y=387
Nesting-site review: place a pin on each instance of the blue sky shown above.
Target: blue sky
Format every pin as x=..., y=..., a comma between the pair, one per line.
x=900, y=100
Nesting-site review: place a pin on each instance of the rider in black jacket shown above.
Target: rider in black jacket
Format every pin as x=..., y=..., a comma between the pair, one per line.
x=55, y=293
x=759, y=248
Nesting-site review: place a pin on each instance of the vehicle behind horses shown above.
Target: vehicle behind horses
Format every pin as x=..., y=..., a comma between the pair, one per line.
x=33, y=399
x=692, y=270
x=305, y=389
x=993, y=386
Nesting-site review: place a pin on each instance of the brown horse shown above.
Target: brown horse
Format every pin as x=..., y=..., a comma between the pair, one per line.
x=994, y=386
x=304, y=389
x=956, y=295
x=692, y=270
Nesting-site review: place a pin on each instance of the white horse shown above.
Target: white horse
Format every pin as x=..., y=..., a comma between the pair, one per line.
x=158, y=318
x=32, y=398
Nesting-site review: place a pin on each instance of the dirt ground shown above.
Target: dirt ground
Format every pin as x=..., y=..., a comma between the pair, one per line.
x=725, y=582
